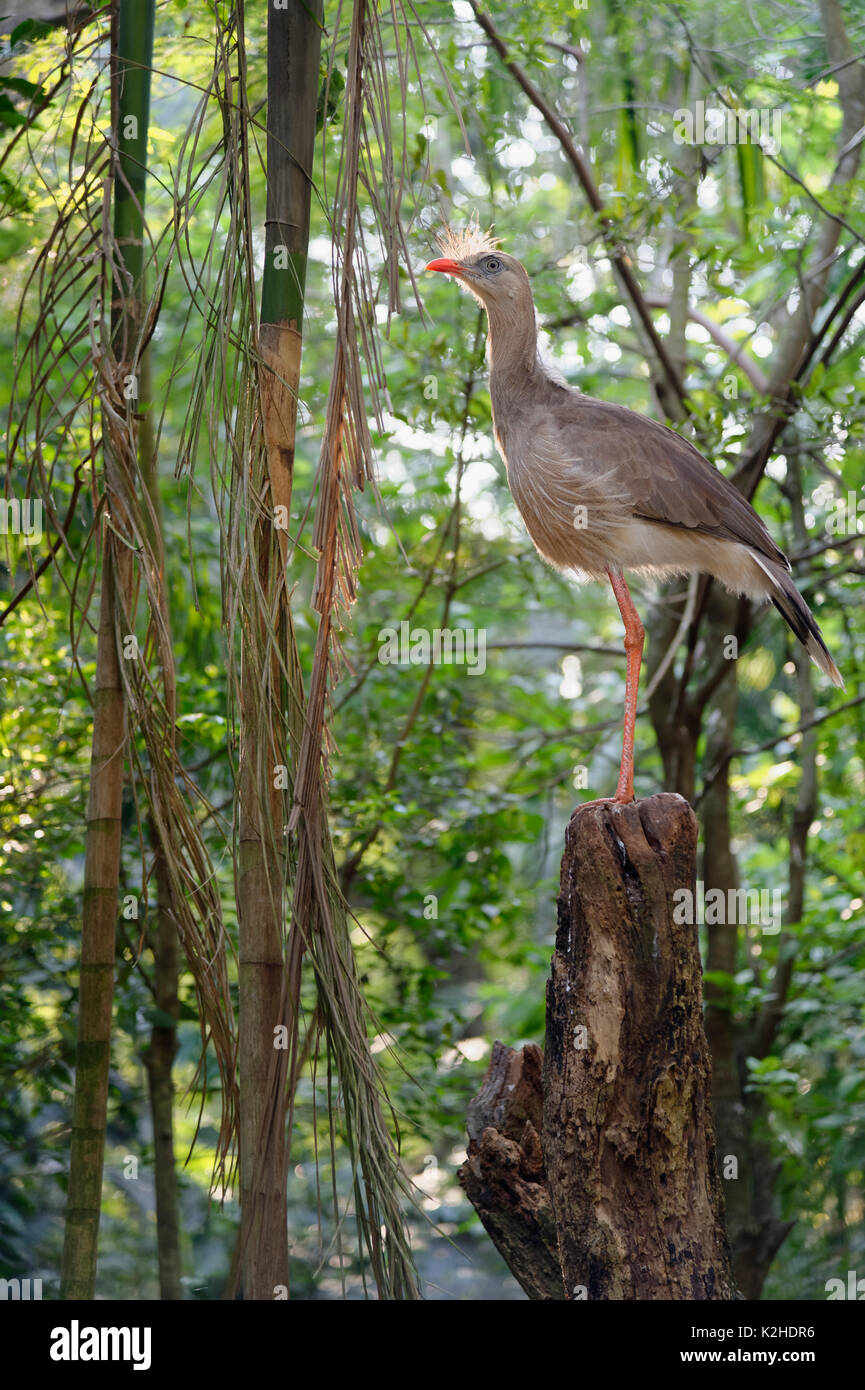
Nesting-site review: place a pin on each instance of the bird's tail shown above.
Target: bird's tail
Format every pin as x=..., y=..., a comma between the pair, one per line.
x=796, y=613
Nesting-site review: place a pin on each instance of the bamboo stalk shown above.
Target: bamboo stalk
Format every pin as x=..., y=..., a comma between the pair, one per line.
x=294, y=40
x=132, y=52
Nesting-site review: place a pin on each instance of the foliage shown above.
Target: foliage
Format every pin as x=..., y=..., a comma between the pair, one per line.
x=450, y=790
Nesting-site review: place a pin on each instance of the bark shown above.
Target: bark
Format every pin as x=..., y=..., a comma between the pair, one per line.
x=627, y=1146
x=628, y=1132
x=504, y=1176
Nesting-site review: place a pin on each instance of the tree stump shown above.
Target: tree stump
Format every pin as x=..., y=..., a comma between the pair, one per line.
x=625, y=1171
x=504, y=1176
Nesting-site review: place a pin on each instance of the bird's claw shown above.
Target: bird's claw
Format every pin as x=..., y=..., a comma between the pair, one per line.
x=604, y=801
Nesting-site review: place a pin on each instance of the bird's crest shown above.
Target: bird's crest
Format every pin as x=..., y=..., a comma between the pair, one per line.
x=458, y=243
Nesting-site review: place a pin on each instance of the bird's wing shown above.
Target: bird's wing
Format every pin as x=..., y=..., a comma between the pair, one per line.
x=668, y=480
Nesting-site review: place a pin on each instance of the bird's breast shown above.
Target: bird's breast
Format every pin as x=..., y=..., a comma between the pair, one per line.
x=571, y=504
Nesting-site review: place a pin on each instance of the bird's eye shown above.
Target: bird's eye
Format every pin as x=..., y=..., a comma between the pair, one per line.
x=493, y=263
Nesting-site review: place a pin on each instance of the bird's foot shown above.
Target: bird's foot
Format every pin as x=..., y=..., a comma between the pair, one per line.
x=604, y=801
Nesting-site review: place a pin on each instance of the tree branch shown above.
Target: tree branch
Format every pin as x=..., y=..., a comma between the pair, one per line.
x=779, y=738
x=735, y=351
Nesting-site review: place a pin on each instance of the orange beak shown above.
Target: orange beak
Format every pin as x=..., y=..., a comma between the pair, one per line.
x=449, y=267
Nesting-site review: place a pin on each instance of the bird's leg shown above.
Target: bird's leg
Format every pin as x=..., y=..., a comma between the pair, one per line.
x=634, y=635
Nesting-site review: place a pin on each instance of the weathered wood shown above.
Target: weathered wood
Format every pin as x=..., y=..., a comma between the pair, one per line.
x=503, y=1174
x=627, y=1163
x=628, y=1134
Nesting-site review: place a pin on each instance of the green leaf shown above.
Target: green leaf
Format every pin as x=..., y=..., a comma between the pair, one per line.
x=28, y=31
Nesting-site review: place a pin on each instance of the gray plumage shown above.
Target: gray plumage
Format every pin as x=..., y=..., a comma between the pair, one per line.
x=601, y=488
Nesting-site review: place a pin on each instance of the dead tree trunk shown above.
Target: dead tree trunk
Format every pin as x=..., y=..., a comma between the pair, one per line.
x=504, y=1175
x=603, y=1161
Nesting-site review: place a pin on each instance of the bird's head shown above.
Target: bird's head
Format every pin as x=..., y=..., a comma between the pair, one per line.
x=473, y=257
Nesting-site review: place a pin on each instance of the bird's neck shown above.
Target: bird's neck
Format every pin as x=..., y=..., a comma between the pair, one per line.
x=512, y=344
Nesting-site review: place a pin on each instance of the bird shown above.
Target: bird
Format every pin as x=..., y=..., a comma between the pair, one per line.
x=602, y=488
